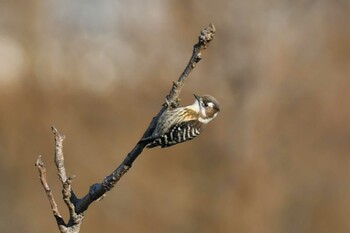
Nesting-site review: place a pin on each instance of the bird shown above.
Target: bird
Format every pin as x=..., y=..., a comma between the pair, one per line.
x=182, y=124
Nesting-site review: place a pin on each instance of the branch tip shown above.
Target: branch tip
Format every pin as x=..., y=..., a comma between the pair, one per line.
x=212, y=28
x=206, y=36
x=39, y=163
x=56, y=133
x=54, y=130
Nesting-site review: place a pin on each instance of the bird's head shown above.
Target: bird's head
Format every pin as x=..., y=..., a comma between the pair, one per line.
x=207, y=106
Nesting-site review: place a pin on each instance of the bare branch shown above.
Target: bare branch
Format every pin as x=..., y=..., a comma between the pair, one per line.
x=43, y=179
x=59, y=159
x=206, y=36
x=75, y=220
x=97, y=191
x=69, y=197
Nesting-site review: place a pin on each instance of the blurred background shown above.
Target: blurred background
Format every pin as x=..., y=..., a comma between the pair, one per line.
x=276, y=159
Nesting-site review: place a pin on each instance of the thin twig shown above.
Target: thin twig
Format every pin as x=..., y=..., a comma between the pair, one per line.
x=206, y=36
x=59, y=159
x=43, y=179
x=75, y=219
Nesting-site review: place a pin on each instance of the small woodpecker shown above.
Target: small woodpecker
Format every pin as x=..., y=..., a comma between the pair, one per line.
x=184, y=123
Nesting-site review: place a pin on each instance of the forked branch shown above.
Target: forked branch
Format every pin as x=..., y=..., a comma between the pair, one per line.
x=76, y=206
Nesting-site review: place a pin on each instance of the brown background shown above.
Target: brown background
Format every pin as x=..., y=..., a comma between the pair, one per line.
x=276, y=160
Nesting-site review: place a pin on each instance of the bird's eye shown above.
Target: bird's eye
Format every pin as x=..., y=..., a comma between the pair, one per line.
x=204, y=104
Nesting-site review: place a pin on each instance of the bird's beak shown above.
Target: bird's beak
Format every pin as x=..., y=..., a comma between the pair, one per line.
x=197, y=97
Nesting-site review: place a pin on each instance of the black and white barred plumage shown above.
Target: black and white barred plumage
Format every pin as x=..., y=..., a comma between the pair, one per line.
x=184, y=123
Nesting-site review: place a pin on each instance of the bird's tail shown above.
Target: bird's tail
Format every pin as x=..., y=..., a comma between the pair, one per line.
x=150, y=142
